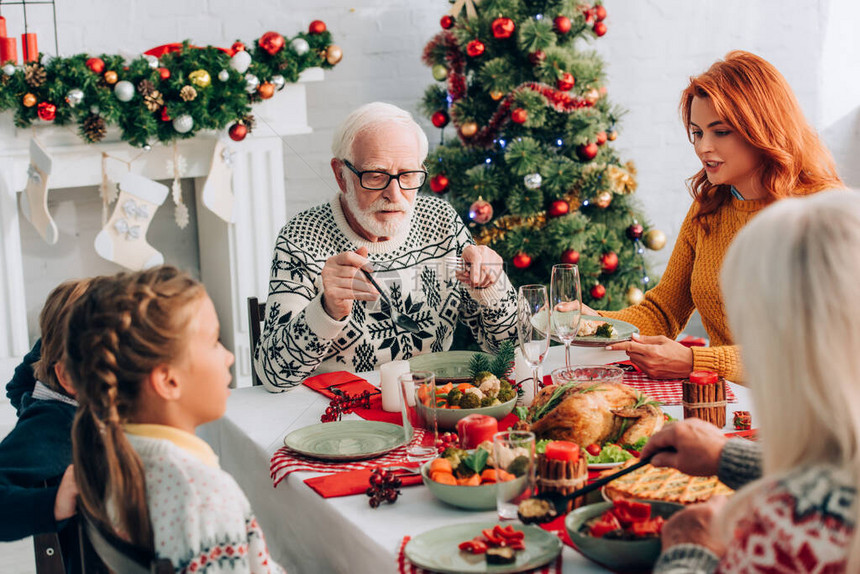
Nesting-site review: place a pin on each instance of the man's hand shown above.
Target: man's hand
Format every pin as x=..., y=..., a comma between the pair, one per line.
x=658, y=357
x=695, y=525
x=483, y=267
x=693, y=446
x=343, y=284
x=65, y=505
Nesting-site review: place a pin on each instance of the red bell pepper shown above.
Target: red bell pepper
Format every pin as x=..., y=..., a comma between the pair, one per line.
x=508, y=532
x=650, y=527
x=474, y=546
x=493, y=539
x=629, y=512
x=607, y=523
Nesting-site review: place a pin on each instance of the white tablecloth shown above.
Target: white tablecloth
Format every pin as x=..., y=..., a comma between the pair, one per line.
x=310, y=534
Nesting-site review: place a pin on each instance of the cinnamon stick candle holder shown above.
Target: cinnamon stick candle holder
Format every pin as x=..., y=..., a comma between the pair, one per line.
x=562, y=477
x=704, y=397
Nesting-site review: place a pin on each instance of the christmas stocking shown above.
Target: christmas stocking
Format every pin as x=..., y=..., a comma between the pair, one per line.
x=34, y=200
x=123, y=239
x=218, y=189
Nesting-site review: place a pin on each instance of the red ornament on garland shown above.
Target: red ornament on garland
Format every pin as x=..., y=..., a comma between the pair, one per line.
x=558, y=208
x=238, y=47
x=635, y=231
x=561, y=24
x=598, y=291
x=96, y=65
x=537, y=57
x=599, y=12
x=601, y=138
x=522, y=261
x=481, y=211
x=439, y=183
x=447, y=22
x=503, y=28
x=164, y=73
x=440, y=119
x=519, y=115
x=566, y=82
x=272, y=43
x=475, y=48
x=165, y=117
x=599, y=29
x=570, y=256
x=609, y=261
x=587, y=152
x=47, y=111
x=316, y=27
x=237, y=132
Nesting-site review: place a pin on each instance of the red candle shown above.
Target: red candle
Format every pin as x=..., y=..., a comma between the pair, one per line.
x=29, y=48
x=562, y=450
x=8, y=50
x=475, y=429
x=703, y=377
x=2, y=27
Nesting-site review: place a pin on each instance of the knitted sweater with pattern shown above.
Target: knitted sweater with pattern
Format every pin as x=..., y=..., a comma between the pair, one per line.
x=299, y=338
x=692, y=281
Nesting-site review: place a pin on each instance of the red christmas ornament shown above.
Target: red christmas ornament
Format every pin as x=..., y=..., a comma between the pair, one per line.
x=558, y=208
x=439, y=183
x=266, y=90
x=316, y=27
x=599, y=12
x=238, y=132
x=635, y=231
x=481, y=211
x=519, y=115
x=47, y=111
x=440, y=119
x=599, y=29
x=163, y=73
x=165, y=117
x=238, y=47
x=598, y=291
x=566, y=82
x=561, y=24
x=272, y=43
x=537, y=57
x=601, y=138
x=589, y=18
x=609, y=261
x=96, y=65
x=587, y=151
x=447, y=22
x=522, y=261
x=475, y=48
x=503, y=28
x=570, y=256
x=612, y=135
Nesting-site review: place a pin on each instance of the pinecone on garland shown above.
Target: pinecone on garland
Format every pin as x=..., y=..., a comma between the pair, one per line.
x=93, y=128
x=153, y=101
x=35, y=75
x=145, y=87
x=249, y=122
x=187, y=93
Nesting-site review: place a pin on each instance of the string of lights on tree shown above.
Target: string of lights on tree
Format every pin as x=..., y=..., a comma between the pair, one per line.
x=532, y=165
x=168, y=93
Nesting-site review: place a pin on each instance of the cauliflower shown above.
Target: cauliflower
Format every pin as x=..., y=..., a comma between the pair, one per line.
x=488, y=383
x=474, y=391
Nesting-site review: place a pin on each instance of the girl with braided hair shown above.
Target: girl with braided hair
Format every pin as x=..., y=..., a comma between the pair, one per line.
x=145, y=355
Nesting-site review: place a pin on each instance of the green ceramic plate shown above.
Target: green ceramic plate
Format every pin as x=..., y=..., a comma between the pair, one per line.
x=437, y=549
x=346, y=440
x=482, y=497
x=623, y=329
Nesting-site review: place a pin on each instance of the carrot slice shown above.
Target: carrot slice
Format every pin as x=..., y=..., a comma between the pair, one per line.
x=489, y=475
x=444, y=478
x=505, y=476
x=474, y=480
x=445, y=389
x=462, y=387
x=441, y=465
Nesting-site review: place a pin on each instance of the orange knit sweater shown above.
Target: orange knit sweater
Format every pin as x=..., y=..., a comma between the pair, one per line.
x=692, y=281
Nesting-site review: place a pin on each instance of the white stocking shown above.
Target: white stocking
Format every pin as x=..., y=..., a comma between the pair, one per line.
x=34, y=199
x=218, y=189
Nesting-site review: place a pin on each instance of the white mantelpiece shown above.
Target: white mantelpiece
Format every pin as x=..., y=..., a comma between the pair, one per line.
x=234, y=258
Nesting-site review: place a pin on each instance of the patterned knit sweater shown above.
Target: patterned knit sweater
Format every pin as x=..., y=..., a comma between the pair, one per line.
x=692, y=281
x=201, y=520
x=299, y=338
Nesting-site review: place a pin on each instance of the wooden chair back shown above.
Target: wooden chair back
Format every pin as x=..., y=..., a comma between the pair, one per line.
x=48, y=554
x=100, y=549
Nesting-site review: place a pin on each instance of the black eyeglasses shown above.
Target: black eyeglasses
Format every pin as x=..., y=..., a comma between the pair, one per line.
x=376, y=180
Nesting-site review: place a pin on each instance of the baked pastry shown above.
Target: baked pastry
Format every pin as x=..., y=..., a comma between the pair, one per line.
x=665, y=484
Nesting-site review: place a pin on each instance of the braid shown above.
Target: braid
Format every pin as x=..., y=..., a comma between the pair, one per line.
x=118, y=333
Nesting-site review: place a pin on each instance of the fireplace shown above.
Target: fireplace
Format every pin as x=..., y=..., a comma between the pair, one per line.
x=234, y=258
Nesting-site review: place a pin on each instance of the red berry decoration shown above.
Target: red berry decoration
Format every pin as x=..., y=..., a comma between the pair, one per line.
x=537, y=57
x=598, y=291
x=503, y=28
x=587, y=152
x=601, y=138
x=519, y=115
x=164, y=73
x=609, y=261
x=566, y=82
x=447, y=22
x=522, y=261
x=272, y=43
x=561, y=24
x=475, y=48
x=599, y=13
x=96, y=65
x=384, y=487
x=439, y=183
x=237, y=132
x=558, y=208
x=440, y=119
x=238, y=47
x=599, y=28
x=316, y=27
x=570, y=256
x=635, y=231
x=47, y=111
x=447, y=439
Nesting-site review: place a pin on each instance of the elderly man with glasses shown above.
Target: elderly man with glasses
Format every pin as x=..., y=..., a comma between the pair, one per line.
x=324, y=313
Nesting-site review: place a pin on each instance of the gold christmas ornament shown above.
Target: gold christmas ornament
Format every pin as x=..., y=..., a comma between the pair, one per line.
x=591, y=96
x=440, y=72
x=497, y=95
x=654, y=240
x=612, y=135
x=604, y=198
x=200, y=78
x=635, y=296
x=29, y=100
x=621, y=180
x=469, y=129
x=111, y=77
x=333, y=54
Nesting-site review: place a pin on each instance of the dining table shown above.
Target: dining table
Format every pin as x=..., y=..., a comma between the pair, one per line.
x=307, y=533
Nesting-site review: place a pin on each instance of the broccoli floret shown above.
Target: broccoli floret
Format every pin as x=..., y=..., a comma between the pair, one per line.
x=470, y=401
x=519, y=466
x=454, y=455
x=506, y=392
x=605, y=330
x=454, y=397
x=489, y=401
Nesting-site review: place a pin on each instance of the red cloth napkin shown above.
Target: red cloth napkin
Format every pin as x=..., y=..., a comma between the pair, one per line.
x=353, y=482
x=352, y=384
x=691, y=341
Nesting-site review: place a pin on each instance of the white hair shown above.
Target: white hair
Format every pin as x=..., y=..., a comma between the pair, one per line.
x=791, y=284
x=371, y=117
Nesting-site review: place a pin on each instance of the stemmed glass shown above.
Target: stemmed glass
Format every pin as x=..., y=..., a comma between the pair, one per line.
x=565, y=297
x=534, y=343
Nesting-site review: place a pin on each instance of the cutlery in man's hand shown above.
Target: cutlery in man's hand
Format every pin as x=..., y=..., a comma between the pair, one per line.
x=401, y=320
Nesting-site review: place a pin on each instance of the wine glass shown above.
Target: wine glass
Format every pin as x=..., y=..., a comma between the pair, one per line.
x=534, y=343
x=565, y=298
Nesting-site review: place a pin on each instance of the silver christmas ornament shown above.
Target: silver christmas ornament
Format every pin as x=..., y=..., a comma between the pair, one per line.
x=151, y=60
x=240, y=61
x=147, y=147
x=532, y=181
x=183, y=123
x=252, y=82
x=300, y=46
x=279, y=82
x=47, y=59
x=74, y=97
x=124, y=91
x=9, y=69
x=94, y=110
x=223, y=75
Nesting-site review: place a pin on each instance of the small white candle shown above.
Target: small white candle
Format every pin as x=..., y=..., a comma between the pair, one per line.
x=389, y=376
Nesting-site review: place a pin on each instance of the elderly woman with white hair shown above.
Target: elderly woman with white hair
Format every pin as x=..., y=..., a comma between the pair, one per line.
x=323, y=314
x=791, y=282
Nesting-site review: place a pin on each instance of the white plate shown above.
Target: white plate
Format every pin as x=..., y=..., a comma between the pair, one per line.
x=604, y=465
x=624, y=331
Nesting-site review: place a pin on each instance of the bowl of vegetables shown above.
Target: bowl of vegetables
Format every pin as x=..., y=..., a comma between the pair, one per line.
x=622, y=535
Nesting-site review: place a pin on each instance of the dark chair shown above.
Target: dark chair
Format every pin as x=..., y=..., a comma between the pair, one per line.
x=256, y=315
x=100, y=549
x=49, y=556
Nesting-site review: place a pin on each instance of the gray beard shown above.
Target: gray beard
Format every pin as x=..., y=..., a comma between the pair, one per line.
x=369, y=223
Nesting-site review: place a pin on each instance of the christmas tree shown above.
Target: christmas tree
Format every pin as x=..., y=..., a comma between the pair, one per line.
x=530, y=165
